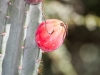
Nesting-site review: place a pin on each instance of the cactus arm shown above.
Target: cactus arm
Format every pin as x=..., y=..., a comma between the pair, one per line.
x=32, y=52
x=3, y=13
x=13, y=47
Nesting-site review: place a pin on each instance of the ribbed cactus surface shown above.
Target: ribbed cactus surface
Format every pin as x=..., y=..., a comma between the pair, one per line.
x=18, y=51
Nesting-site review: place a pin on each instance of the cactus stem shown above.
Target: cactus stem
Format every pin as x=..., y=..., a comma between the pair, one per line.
x=7, y=17
x=3, y=34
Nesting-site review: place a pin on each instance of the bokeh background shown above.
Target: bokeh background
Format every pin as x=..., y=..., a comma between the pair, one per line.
x=80, y=52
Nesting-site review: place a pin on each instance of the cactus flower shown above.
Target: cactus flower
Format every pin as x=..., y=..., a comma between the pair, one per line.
x=33, y=1
x=50, y=34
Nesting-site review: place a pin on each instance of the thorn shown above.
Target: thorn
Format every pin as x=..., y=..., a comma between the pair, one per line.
x=20, y=68
x=27, y=11
x=25, y=27
x=39, y=71
x=22, y=47
x=0, y=55
x=7, y=17
x=43, y=52
x=38, y=61
x=3, y=34
x=41, y=64
x=10, y=3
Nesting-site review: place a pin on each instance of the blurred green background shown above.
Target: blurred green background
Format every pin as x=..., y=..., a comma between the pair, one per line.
x=80, y=52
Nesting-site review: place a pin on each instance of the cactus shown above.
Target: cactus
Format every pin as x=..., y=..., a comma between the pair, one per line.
x=19, y=53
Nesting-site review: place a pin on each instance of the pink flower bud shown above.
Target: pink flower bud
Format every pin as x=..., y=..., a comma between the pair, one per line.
x=33, y=1
x=50, y=34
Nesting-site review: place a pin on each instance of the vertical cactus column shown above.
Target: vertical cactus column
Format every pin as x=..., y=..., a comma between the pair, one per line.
x=3, y=12
x=32, y=54
x=13, y=47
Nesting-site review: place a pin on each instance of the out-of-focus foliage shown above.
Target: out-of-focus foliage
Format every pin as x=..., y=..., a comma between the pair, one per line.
x=80, y=53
